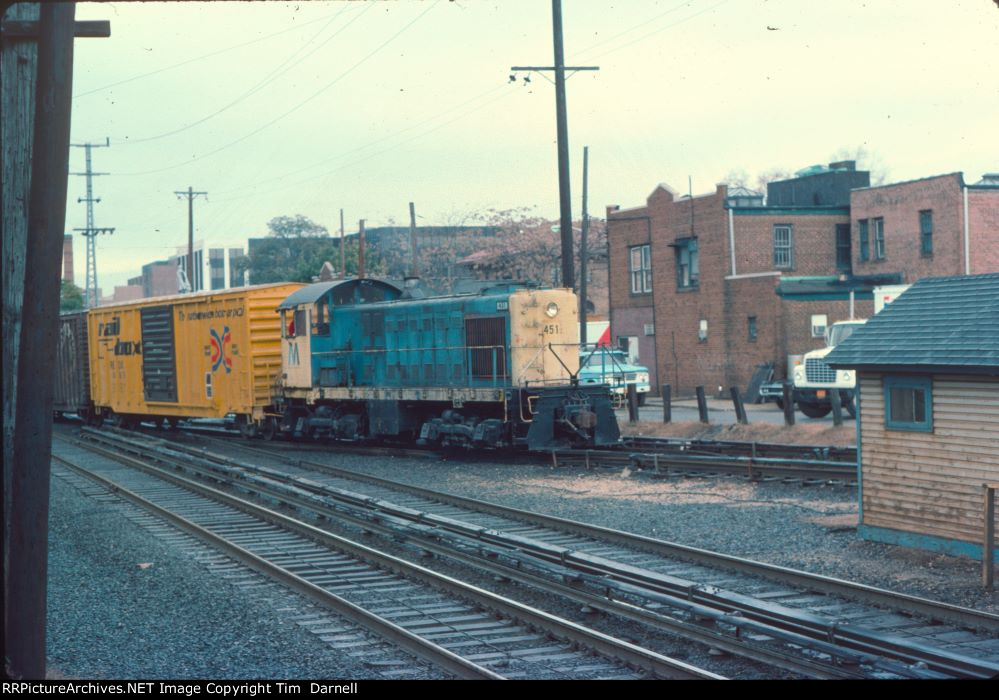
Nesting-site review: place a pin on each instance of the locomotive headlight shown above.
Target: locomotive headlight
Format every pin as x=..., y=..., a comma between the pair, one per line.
x=552, y=309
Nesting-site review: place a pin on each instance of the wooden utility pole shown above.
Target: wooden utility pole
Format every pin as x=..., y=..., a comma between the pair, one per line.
x=37, y=68
x=414, y=270
x=343, y=253
x=360, y=249
x=583, y=254
x=191, y=195
x=562, y=131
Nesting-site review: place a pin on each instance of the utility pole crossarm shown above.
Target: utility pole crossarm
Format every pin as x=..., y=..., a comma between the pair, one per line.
x=191, y=196
x=562, y=136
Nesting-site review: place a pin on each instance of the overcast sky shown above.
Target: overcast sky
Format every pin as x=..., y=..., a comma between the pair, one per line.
x=279, y=108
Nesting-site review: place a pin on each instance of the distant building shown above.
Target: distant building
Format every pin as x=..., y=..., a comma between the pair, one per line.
x=818, y=186
x=67, y=258
x=713, y=286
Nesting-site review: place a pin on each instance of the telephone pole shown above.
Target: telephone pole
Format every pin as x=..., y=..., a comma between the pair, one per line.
x=191, y=195
x=562, y=130
x=583, y=255
x=90, y=232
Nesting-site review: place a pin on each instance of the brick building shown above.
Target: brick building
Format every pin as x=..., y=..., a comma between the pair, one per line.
x=712, y=286
x=921, y=228
x=67, y=258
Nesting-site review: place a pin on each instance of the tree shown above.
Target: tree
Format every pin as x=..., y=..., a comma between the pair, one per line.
x=70, y=297
x=297, y=249
x=297, y=226
x=526, y=248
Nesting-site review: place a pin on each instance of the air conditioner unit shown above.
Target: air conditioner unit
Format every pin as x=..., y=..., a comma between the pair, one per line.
x=650, y=329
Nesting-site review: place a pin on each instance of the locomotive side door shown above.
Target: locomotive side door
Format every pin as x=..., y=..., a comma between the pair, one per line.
x=296, y=351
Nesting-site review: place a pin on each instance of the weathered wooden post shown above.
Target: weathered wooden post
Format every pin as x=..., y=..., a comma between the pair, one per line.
x=702, y=404
x=788, y=404
x=740, y=409
x=837, y=407
x=667, y=392
x=632, y=404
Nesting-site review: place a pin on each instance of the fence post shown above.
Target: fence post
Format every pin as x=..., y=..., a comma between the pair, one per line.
x=788, y=404
x=667, y=392
x=702, y=404
x=632, y=404
x=740, y=409
x=837, y=407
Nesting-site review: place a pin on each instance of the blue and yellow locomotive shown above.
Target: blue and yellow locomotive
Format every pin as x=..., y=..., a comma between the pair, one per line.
x=361, y=359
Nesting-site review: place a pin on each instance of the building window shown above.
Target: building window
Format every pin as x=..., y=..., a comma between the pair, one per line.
x=909, y=404
x=844, y=259
x=879, y=239
x=819, y=323
x=641, y=269
x=687, y=263
x=926, y=232
x=783, y=247
x=752, y=328
x=865, y=241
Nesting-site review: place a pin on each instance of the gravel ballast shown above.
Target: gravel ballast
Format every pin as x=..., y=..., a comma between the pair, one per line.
x=125, y=603
x=812, y=528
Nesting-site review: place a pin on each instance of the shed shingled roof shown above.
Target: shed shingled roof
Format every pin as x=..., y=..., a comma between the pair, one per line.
x=940, y=323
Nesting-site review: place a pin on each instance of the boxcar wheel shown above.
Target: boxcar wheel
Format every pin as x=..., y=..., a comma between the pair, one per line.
x=268, y=428
x=247, y=428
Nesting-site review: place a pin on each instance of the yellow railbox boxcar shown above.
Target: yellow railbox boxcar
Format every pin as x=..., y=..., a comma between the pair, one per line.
x=200, y=355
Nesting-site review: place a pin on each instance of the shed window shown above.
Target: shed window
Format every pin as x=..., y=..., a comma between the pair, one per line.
x=909, y=404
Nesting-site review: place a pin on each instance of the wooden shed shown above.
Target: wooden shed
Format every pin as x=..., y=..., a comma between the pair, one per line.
x=928, y=375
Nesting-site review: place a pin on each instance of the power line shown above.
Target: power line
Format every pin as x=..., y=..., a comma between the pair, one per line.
x=661, y=29
x=267, y=80
x=298, y=106
x=283, y=177
x=199, y=58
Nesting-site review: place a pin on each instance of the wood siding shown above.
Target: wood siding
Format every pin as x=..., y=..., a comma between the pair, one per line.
x=931, y=483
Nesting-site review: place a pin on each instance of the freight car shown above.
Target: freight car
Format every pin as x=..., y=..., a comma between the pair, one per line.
x=71, y=390
x=204, y=355
x=492, y=369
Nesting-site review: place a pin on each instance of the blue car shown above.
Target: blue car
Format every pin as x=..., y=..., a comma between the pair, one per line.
x=607, y=366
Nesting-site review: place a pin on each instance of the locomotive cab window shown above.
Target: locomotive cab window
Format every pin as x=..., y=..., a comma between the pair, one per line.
x=293, y=324
x=320, y=320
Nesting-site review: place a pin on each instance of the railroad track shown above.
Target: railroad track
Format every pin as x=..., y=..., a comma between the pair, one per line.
x=661, y=457
x=465, y=630
x=770, y=619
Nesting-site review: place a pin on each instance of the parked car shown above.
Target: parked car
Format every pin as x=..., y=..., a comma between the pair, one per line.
x=604, y=365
